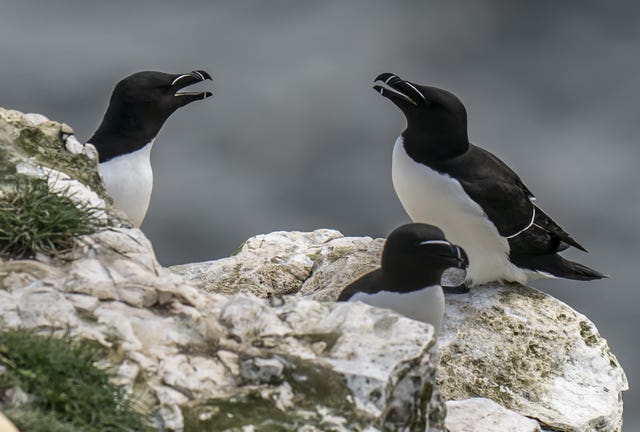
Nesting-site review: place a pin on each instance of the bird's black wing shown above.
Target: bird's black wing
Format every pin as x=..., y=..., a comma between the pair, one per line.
x=507, y=202
x=370, y=283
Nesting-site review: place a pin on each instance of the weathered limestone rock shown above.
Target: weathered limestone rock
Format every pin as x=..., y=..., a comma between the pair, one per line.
x=515, y=345
x=33, y=143
x=317, y=264
x=532, y=354
x=208, y=354
x=205, y=360
x=484, y=415
x=341, y=366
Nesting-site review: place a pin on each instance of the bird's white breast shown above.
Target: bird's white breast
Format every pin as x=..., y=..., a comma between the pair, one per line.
x=129, y=180
x=438, y=199
x=426, y=305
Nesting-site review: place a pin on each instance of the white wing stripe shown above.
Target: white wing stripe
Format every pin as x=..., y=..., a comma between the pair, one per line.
x=533, y=217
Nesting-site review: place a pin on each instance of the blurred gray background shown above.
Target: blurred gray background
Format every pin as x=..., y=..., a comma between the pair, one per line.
x=295, y=139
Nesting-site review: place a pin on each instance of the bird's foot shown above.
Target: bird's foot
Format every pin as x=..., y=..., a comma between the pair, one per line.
x=459, y=289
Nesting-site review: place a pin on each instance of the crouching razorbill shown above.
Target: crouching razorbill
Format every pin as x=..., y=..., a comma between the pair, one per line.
x=139, y=106
x=477, y=200
x=413, y=260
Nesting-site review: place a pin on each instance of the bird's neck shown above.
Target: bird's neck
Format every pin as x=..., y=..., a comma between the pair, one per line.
x=428, y=147
x=122, y=132
x=405, y=279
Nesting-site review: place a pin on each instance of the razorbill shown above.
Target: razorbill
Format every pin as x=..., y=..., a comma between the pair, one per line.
x=139, y=106
x=408, y=281
x=477, y=200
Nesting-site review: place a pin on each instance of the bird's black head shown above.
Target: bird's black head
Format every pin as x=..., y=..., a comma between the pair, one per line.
x=417, y=254
x=139, y=106
x=436, y=119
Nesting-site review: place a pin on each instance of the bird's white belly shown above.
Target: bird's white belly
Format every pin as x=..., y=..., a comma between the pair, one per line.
x=438, y=199
x=426, y=305
x=129, y=180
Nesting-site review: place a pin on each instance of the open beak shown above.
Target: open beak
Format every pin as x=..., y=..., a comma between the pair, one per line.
x=185, y=80
x=398, y=90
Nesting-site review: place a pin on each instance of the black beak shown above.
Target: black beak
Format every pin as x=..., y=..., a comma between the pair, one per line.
x=398, y=90
x=181, y=81
x=462, y=259
x=442, y=250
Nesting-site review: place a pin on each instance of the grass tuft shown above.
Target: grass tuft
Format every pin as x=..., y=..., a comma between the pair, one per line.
x=35, y=220
x=67, y=393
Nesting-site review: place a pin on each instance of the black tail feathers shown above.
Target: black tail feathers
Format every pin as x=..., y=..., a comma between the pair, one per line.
x=557, y=266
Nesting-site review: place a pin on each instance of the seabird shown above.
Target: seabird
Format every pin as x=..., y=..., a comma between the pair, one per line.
x=413, y=260
x=139, y=106
x=478, y=201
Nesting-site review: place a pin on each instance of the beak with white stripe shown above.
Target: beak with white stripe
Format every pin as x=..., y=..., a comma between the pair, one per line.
x=436, y=118
x=443, y=251
x=185, y=80
x=398, y=90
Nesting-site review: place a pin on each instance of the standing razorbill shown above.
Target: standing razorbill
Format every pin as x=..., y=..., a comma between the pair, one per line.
x=477, y=200
x=139, y=106
x=413, y=259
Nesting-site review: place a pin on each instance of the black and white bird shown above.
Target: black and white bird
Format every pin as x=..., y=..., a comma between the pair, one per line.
x=139, y=106
x=477, y=200
x=413, y=260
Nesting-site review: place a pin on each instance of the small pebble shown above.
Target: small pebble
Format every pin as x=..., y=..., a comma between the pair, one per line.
x=65, y=129
x=73, y=145
x=36, y=118
x=90, y=151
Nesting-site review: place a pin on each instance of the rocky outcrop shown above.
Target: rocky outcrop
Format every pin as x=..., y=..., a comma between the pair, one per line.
x=522, y=348
x=255, y=341
x=532, y=354
x=200, y=360
x=316, y=265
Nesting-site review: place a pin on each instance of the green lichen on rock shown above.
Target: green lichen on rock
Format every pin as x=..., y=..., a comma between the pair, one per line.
x=588, y=335
x=64, y=389
x=316, y=396
x=518, y=373
x=528, y=359
x=522, y=348
x=20, y=140
x=51, y=152
x=318, y=385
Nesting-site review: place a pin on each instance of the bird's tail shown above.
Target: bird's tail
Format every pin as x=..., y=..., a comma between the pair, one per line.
x=557, y=266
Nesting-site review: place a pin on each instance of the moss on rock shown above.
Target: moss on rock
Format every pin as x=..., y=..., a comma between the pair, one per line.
x=44, y=145
x=65, y=391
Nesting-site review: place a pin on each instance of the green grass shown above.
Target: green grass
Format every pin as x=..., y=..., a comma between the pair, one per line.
x=67, y=393
x=35, y=220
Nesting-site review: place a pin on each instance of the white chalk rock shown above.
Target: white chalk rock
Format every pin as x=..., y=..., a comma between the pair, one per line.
x=318, y=264
x=532, y=354
x=90, y=151
x=484, y=415
x=515, y=345
x=73, y=145
x=207, y=360
x=36, y=118
x=212, y=358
